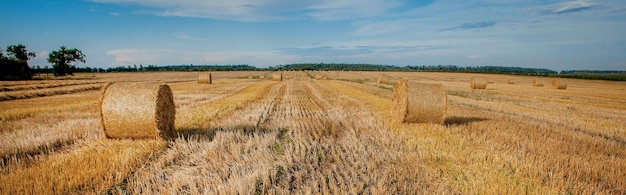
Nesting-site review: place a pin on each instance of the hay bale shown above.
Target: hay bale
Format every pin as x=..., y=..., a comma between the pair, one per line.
x=490, y=81
x=510, y=82
x=415, y=102
x=137, y=110
x=384, y=79
x=537, y=83
x=319, y=77
x=559, y=84
x=262, y=77
x=478, y=83
x=205, y=78
x=277, y=76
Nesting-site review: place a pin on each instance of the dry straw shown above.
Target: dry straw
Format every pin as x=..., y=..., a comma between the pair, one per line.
x=384, y=79
x=205, y=78
x=319, y=77
x=490, y=81
x=277, y=76
x=510, y=82
x=415, y=102
x=478, y=83
x=537, y=83
x=559, y=84
x=137, y=110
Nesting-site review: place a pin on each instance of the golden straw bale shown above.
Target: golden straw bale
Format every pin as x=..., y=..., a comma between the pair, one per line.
x=137, y=110
x=490, y=81
x=559, y=84
x=384, y=79
x=415, y=102
x=510, y=82
x=205, y=78
x=319, y=77
x=478, y=83
x=537, y=83
x=277, y=76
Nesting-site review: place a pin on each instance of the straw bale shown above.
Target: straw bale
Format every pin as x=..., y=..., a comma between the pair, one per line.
x=384, y=79
x=277, y=76
x=415, y=102
x=510, y=82
x=490, y=81
x=537, y=83
x=137, y=111
x=559, y=84
x=205, y=78
x=319, y=77
x=478, y=83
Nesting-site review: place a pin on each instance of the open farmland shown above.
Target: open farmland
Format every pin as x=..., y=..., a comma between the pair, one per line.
x=248, y=134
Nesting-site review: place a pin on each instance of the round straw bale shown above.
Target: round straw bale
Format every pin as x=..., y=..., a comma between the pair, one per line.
x=559, y=84
x=537, y=83
x=205, y=78
x=277, y=76
x=319, y=77
x=137, y=110
x=478, y=83
x=384, y=79
x=415, y=102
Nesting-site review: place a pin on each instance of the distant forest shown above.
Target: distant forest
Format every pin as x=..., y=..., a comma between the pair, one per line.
x=582, y=74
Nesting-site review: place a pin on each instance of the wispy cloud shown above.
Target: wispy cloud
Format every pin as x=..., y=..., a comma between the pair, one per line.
x=179, y=56
x=467, y=26
x=268, y=10
x=185, y=36
x=568, y=7
x=114, y=13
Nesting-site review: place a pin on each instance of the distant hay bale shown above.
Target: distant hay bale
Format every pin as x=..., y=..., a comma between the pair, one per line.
x=249, y=76
x=537, y=83
x=137, y=111
x=205, y=78
x=277, y=76
x=490, y=81
x=319, y=77
x=478, y=83
x=384, y=79
x=559, y=84
x=262, y=77
x=415, y=102
x=510, y=82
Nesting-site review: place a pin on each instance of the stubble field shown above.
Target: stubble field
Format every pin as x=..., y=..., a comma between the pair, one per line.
x=247, y=134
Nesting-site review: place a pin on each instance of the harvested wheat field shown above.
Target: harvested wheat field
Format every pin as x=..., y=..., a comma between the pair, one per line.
x=303, y=136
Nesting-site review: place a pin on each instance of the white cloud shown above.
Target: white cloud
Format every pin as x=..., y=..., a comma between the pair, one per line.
x=264, y=10
x=114, y=13
x=186, y=36
x=568, y=7
x=174, y=56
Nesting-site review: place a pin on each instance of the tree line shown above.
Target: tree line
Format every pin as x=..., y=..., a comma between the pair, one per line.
x=416, y=68
x=14, y=65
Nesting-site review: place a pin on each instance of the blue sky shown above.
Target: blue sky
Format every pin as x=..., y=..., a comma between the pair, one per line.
x=554, y=34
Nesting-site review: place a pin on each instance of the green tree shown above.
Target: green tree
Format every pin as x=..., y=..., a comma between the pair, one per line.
x=15, y=64
x=62, y=60
x=19, y=53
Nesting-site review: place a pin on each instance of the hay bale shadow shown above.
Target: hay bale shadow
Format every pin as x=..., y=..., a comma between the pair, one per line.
x=460, y=120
